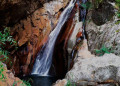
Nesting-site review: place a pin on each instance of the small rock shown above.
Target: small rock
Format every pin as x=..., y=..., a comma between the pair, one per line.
x=61, y=83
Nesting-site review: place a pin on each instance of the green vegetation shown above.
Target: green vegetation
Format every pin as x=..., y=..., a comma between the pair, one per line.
x=103, y=50
x=15, y=83
x=118, y=7
x=97, y=2
x=2, y=77
x=26, y=83
x=70, y=83
x=5, y=38
x=87, y=5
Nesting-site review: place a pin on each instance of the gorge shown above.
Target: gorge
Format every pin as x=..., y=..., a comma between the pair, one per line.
x=44, y=58
x=48, y=40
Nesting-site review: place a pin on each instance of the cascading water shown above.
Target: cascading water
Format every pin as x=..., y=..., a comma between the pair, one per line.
x=83, y=17
x=44, y=58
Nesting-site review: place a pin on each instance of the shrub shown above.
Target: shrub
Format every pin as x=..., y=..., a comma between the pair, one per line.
x=26, y=83
x=103, y=50
x=117, y=2
x=5, y=38
x=2, y=77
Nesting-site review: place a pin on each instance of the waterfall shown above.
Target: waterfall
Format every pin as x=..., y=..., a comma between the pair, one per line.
x=83, y=17
x=44, y=58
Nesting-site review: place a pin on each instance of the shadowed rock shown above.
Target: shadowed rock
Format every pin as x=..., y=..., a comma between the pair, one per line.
x=103, y=13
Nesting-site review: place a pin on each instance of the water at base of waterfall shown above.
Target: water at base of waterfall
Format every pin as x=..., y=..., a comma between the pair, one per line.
x=36, y=80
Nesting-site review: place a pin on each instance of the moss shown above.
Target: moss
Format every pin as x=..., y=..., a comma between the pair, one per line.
x=97, y=2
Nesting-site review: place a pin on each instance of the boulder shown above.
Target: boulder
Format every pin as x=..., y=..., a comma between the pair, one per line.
x=61, y=82
x=96, y=69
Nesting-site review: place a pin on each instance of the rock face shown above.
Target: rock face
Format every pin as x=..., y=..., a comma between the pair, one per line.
x=106, y=33
x=32, y=33
x=91, y=70
x=10, y=80
x=11, y=11
x=60, y=56
x=96, y=69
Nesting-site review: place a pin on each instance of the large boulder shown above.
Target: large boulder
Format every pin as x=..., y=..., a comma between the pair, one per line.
x=96, y=69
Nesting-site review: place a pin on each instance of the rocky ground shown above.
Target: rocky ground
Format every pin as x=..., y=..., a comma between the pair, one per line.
x=9, y=78
x=93, y=70
x=89, y=69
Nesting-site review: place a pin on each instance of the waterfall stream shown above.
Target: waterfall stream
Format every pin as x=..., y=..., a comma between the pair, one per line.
x=44, y=58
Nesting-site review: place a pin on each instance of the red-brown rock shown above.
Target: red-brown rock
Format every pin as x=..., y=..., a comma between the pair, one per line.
x=32, y=33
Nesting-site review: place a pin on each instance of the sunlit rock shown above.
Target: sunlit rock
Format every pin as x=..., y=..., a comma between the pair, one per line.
x=10, y=79
x=61, y=82
x=95, y=69
x=107, y=35
x=83, y=51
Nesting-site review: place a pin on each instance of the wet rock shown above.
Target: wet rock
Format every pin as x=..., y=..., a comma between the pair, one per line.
x=75, y=34
x=73, y=38
x=32, y=33
x=60, y=59
x=96, y=69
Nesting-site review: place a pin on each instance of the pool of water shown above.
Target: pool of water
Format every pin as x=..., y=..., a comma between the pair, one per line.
x=36, y=80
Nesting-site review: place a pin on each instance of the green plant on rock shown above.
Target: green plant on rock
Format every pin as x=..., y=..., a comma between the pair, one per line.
x=5, y=38
x=2, y=77
x=86, y=5
x=26, y=83
x=117, y=2
x=103, y=50
x=69, y=83
x=96, y=3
